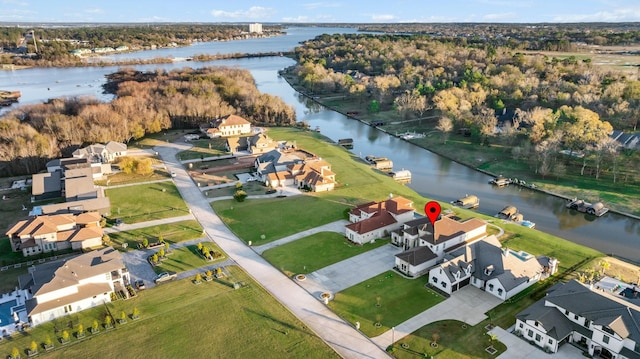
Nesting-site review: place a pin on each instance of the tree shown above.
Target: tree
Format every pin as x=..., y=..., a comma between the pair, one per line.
x=161, y=253
x=154, y=258
x=198, y=277
x=107, y=320
x=15, y=353
x=145, y=243
x=445, y=125
x=80, y=329
x=123, y=315
x=47, y=341
x=435, y=337
x=95, y=326
x=65, y=335
x=374, y=106
x=604, y=265
x=135, y=313
x=240, y=195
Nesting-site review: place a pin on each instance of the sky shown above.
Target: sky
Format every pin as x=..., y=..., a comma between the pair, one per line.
x=331, y=11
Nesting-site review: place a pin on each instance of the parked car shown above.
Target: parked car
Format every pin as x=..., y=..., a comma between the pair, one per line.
x=140, y=284
x=165, y=277
x=118, y=222
x=173, y=174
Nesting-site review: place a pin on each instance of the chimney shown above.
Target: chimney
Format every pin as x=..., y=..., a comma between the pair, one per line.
x=468, y=255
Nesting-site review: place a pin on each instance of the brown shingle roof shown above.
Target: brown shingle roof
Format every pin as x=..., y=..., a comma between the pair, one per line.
x=380, y=220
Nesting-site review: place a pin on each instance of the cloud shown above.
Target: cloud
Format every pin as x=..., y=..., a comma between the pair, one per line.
x=614, y=15
x=15, y=2
x=384, y=17
x=320, y=5
x=503, y=17
x=254, y=12
x=506, y=3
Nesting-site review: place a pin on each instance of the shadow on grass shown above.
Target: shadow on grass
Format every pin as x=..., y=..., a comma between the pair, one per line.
x=279, y=322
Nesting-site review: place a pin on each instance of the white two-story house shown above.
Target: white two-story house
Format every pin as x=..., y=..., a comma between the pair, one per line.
x=66, y=287
x=601, y=323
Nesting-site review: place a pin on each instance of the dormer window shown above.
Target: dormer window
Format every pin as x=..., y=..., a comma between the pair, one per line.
x=488, y=270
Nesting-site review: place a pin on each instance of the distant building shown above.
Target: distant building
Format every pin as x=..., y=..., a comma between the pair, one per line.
x=255, y=28
x=99, y=153
x=66, y=287
x=230, y=125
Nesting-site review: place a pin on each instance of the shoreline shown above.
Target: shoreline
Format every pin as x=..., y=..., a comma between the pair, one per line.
x=547, y=192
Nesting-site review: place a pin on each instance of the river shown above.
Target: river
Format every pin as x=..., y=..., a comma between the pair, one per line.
x=433, y=176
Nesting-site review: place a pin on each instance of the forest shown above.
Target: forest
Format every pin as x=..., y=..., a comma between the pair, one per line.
x=551, y=104
x=145, y=103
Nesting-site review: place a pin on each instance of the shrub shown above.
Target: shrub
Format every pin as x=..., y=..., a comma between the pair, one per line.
x=240, y=195
x=161, y=238
x=15, y=353
x=238, y=185
x=135, y=312
x=161, y=253
x=107, y=320
x=95, y=325
x=47, y=341
x=154, y=258
x=208, y=273
x=65, y=335
x=80, y=329
x=33, y=346
x=145, y=243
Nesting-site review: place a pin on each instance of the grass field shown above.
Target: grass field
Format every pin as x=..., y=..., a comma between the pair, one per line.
x=204, y=148
x=183, y=320
x=454, y=342
x=253, y=218
x=186, y=258
x=316, y=251
x=170, y=232
x=146, y=202
x=399, y=299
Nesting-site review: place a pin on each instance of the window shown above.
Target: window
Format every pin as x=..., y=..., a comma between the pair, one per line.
x=538, y=337
x=500, y=291
x=530, y=333
x=520, y=325
x=443, y=284
x=491, y=287
x=605, y=339
x=434, y=279
x=551, y=341
x=575, y=316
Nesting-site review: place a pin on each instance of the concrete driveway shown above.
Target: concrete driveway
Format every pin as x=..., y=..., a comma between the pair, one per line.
x=349, y=272
x=337, y=226
x=520, y=349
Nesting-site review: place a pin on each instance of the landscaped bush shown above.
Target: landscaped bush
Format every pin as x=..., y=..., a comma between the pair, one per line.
x=240, y=195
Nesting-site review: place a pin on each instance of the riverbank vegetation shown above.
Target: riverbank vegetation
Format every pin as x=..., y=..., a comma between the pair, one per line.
x=53, y=46
x=549, y=118
x=145, y=103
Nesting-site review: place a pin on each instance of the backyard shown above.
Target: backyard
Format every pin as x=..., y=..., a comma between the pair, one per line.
x=387, y=299
x=170, y=232
x=316, y=251
x=185, y=320
x=146, y=202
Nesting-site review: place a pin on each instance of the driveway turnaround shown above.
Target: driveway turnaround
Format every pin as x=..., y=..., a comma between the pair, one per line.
x=466, y=305
x=349, y=272
x=339, y=335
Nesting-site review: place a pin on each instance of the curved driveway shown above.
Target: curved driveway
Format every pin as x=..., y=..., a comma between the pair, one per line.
x=341, y=336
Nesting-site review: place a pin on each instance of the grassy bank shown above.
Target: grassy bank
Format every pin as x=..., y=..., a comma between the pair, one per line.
x=146, y=202
x=183, y=320
x=170, y=233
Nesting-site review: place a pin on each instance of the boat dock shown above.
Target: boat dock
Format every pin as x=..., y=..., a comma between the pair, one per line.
x=596, y=209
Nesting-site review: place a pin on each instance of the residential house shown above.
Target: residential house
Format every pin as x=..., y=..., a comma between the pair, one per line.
x=71, y=178
x=601, y=323
x=377, y=219
x=484, y=264
x=277, y=161
x=313, y=174
x=102, y=153
x=255, y=144
x=626, y=140
x=230, y=125
x=46, y=233
x=66, y=287
x=425, y=244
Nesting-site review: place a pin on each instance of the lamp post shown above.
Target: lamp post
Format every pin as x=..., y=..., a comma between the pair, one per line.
x=393, y=335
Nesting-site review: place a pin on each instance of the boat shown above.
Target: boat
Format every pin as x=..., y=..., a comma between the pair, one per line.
x=15, y=95
x=527, y=224
x=401, y=176
x=508, y=213
x=596, y=209
x=346, y=142
x=500, y=181
x=317, y=129
x=468, y=202
x=381, y=163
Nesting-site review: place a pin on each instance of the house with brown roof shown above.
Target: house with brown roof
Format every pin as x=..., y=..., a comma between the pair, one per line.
x=425, y=244
x=230, y=125
x=69, y=286
x=502, y=272
x=255, y=144
x=47, y=233
x=313, y=174
x=374, y=220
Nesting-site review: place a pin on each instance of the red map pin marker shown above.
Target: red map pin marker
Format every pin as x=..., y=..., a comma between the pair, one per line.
x=432, y=210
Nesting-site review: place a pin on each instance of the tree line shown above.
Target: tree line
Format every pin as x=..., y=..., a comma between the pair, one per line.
x=145, y=103
x=551, y=103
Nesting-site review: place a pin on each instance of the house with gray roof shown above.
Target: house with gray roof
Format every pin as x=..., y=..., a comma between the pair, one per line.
x=102, y=153
x=69, y=286
x=601, y=323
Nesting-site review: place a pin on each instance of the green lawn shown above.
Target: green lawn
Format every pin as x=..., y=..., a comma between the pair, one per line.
x=187, y=258
x=146, y=202
x=170, y=232
x=399, y=299
x=276, y=218
x=205, y=148
x=182, y=320
x=314, y=252
x=454, y=342
x=11, y=207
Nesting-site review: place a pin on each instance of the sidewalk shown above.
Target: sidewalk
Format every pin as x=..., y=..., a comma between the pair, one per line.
x=338, y=334
x=128, y=227
x=337, y=226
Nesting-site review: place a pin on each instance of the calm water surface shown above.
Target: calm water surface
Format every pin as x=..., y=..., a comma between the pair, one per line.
x=433, y=176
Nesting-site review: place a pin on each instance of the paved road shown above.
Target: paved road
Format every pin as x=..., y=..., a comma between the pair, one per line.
x=341, y=336
x=337, y=226
x=131, y=226
x=349, y=272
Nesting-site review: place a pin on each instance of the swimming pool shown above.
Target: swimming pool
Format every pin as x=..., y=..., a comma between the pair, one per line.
x=6, y=317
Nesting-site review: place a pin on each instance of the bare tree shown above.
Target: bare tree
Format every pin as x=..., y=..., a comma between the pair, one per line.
x=445, y=125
